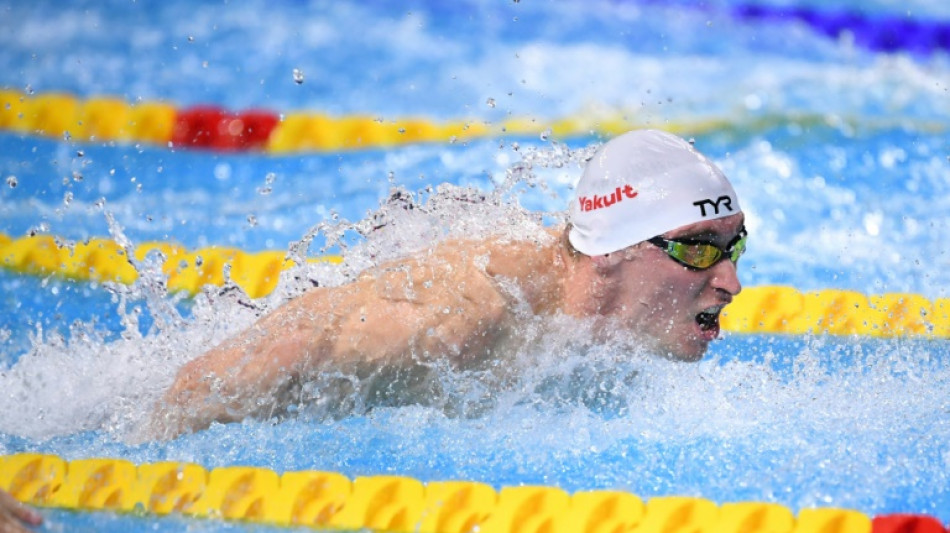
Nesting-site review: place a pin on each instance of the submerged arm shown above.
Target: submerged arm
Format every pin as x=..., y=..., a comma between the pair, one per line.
x=243, y=375
x=407, y=311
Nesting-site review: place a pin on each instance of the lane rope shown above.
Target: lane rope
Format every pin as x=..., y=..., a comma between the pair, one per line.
x=104, y=260
x=764, y=309
x=108, y=119
x=401, y=503
x=877, y=32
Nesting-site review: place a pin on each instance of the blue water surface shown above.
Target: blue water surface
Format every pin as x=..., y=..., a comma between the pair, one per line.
x=834, y=139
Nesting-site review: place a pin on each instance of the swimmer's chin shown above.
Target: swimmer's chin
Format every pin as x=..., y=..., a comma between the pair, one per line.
x=691, y=357
x=682, y=355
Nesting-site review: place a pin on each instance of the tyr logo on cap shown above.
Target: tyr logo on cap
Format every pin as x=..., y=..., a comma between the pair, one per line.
x=725, y=201
x=607, y=200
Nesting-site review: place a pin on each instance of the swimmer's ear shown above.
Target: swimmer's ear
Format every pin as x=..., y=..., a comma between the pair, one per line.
x=607, y=263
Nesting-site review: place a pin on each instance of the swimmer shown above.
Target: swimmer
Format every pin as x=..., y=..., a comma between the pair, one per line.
x=14, y=516
x=651, y=246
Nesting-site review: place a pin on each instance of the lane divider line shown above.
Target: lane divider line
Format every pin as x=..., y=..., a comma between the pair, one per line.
x=877, y=32
x=401, y=503
x=104, y=260
x=764, y=309
x=105, y=119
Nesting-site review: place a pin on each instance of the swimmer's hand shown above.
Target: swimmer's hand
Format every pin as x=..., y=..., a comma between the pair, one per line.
x=14, y=516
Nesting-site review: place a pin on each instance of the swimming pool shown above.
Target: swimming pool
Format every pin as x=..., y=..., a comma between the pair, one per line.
x=830, y=122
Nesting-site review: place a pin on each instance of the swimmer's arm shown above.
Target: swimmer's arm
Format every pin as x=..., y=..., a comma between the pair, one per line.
x=393, y=317
x=14, y=516
x=244, y=375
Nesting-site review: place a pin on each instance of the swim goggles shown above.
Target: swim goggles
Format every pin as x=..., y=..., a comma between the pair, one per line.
x=700, y=254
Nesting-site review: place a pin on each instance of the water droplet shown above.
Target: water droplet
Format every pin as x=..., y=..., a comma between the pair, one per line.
x=43, y=227
x=191, y=38
x=298, y=76
x=490, y=102
x=80, y=153
x=269, y=178
x=545, y=135
x=222, y=171
x=67, y=136
x=67, y=198
x=252, y=220
x=264, y=191
x=77, y=176
x=12, y=182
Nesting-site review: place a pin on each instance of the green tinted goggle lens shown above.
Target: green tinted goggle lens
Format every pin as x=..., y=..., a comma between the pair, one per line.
x=701, y=255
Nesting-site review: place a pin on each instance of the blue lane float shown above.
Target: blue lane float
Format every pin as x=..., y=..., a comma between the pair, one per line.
x=880, y=33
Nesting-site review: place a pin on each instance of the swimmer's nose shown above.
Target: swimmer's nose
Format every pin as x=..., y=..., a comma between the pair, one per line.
x=726, y=277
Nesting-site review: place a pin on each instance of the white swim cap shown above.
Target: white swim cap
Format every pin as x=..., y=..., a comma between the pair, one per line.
x=643, y=184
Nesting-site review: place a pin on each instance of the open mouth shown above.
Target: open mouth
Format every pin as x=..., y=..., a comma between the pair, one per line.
x=708, y=321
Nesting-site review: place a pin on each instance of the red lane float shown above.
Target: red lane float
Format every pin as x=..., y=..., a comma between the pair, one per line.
x=906, y=523
x=197, y=126
x=212, y=127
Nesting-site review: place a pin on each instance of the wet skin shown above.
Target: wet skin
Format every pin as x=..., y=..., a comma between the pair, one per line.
x=14, y=516
x=661, y=299
x=461, y=301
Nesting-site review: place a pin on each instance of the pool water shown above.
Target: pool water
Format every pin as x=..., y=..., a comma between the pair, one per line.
x=836, y=144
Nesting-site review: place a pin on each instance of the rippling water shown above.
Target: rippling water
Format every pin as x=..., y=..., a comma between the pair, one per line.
x=838, y=151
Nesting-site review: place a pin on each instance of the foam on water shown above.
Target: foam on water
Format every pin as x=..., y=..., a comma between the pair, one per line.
x=848, y=422
x=838, y=155
x=115, y=382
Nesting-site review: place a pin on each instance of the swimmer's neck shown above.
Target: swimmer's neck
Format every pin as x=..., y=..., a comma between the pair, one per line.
x=584, y=290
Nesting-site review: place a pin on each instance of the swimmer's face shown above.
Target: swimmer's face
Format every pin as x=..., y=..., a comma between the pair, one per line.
x=675, y=307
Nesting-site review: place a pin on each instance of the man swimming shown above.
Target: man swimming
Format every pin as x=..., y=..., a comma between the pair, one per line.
x=654, y=235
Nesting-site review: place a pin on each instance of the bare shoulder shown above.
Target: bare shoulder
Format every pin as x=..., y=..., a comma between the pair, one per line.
x=525, y=265
x=465, y=265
